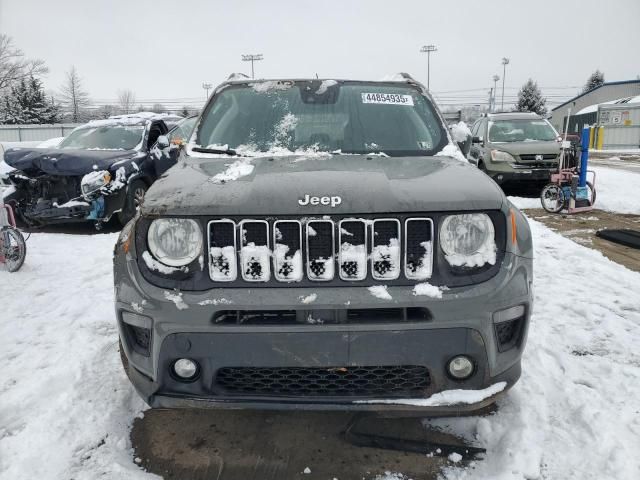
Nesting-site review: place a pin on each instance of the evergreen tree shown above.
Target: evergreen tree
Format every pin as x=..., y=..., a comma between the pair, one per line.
x=27, y=103
x=595, y=80
x=530, y=99
x=185, y=112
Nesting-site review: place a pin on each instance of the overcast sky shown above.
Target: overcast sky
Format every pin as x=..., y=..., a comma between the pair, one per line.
x=166, y=49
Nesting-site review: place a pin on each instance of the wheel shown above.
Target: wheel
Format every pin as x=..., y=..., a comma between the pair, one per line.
x=552, y=198
x=14, y=249
x=132, y=201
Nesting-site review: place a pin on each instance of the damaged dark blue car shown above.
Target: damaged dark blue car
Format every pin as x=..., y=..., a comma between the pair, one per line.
x=101, y=170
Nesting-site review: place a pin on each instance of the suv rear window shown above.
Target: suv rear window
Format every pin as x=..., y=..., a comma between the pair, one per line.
x=343, y=117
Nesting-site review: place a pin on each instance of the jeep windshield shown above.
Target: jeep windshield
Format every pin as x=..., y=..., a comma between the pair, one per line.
x=106, y=137
x=524, y=130
x=278, y=117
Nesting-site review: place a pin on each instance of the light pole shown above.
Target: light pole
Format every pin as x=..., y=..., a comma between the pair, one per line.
x=252, y=57
x=495, y=90
x=428, y=49
x=505, y=62
x=207, y=87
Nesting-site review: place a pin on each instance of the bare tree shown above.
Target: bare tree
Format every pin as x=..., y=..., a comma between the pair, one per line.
x=158, y=108
x=14, y=66
x=126, y=100
x=73, y=97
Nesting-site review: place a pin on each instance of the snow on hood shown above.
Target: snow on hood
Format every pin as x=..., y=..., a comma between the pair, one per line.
x=364, y=183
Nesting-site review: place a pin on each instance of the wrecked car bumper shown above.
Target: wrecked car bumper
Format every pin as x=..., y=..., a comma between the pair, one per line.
x=377, y=362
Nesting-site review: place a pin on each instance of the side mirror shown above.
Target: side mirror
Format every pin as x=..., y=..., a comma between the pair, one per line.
x=477, y=140
x=163, y=142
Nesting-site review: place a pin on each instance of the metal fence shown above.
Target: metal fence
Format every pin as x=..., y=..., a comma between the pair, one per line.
x=27, y=133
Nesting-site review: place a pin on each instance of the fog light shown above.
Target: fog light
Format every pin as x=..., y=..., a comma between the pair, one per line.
x=460, y=367
x=185, y=369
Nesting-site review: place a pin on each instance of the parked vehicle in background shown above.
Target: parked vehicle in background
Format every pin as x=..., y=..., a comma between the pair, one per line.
x=99, y=170
x=4, y=168
x=165, y=153
x=515, y=148
x=323, y=244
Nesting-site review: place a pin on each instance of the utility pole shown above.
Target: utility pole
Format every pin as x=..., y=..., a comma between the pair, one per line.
x=495, y=90
x=505, y=62
x=207, y=87
x=428, y=49
x=252, y=57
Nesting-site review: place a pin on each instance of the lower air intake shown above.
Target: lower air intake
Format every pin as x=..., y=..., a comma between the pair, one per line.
x=395, y=381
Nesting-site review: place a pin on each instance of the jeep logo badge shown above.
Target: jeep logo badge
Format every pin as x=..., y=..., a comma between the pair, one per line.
x=309, y=200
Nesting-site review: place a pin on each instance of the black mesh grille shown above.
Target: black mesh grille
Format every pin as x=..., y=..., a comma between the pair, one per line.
x=401, y=380
x=320, y=240
x=508, y=333
x=531, y=157
x=418, y=232
x=384, y=231
x=255, y=232
x=222, y=234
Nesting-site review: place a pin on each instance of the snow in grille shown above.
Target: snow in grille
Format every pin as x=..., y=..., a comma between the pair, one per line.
x=320, y=250
x=255, y=256
x=419, y=249
x=287, y=252
x=223, y=265
x=385, y=254
x=353, y=250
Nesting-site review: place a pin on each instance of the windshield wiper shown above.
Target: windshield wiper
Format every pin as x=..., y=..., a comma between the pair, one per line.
x=224, y=151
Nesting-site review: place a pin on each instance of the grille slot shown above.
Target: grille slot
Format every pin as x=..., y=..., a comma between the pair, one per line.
x=385, y=255
x=321, y=316
x=352, y=258
x=531, y=157
x=223, y=265
x=287, y=251
x=255, y=256
x=418, y=248
x=320, y=250
x=365, y=381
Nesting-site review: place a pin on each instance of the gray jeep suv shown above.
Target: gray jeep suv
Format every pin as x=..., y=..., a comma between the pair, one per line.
x=515, y=148
x=323, y=244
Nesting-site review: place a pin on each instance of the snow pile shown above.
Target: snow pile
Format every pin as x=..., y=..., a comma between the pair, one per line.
x=309, y=298
x=239, y=168
x=222, y=263
x=446, y=398
x=176, y=298
x=422, y=268
x=255, y=262
x=460, y=132
x=270, y=85
x=66, y=404
x=324, y=86
x=427, y=290
x=451, y=150
x=386, y=260
x=380, y=291
x=155, y=265
x=288, y=267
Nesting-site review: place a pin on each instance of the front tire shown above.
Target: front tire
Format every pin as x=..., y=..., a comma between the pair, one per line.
x=133, y=200
x=552, y=198
x=14, y=248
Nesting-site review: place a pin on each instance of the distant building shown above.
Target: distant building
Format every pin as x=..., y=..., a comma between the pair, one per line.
x=604, y=93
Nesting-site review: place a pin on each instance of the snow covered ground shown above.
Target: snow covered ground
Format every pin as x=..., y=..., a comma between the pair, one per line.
x=66, y=406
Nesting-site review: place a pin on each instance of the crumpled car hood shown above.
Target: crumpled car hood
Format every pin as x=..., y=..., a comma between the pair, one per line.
x=54, y=161
x=365, y=184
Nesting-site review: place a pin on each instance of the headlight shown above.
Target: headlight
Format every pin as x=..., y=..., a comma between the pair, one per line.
x=500, y=156
x=468, y=240
x=175, y=241
x=94, y=181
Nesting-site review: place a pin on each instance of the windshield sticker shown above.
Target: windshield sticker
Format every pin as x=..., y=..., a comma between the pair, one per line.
x=388, y=98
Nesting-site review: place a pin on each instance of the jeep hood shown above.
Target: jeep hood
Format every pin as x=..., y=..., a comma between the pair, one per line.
x=54, y=161
x=366, y=184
